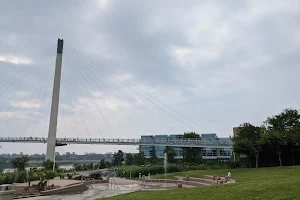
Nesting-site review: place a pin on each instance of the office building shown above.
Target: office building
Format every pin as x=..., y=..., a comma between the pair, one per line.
x=211, y=153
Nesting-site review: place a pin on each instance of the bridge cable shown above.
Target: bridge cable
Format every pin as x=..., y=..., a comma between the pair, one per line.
x=72, y=86
x=87, y=104
x=35, y=97
x=132, y=87
x=121, y=109
x=65, y=83
x=10, y=99
x=22, y=104
x=30, y=64
x=129, y=87
x=26, y=77
x=93, y=73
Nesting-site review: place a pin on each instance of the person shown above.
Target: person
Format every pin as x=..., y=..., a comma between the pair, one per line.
x=228, y=176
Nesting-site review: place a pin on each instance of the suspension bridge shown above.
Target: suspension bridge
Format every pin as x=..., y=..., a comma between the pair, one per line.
x=86, y=98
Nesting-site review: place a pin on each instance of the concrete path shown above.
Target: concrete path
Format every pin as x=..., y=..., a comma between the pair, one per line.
x=99, y=191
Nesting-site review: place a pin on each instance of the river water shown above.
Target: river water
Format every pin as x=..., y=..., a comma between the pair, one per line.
x=67, y=167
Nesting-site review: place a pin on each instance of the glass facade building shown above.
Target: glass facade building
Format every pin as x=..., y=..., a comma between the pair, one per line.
x=213, y=153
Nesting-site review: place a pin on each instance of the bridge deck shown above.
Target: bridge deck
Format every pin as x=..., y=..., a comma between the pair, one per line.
x=220, y=143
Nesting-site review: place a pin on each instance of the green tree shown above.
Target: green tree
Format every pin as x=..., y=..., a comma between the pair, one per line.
x=30, y=177
x=129, y=159
x=170, y=154
x=191, y=154
x=102, y=164
x=48, y=165
x=139, y=159
x=108, y=164
x=19, y=163
x=153, y=158
x=249, y=141
x=91, y=166
x=118, y=158
x=275, y=140
x=287, y=123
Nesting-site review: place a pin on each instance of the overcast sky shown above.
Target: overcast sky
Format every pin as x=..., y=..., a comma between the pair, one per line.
x=218, y=63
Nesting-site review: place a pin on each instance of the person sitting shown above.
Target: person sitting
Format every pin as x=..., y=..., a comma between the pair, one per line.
x=228, y=176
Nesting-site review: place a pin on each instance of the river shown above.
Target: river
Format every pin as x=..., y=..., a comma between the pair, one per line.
x=27, y=168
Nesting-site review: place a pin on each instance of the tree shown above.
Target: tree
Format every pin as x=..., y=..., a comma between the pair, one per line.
x=30, y=177
x=153, y=158
x=249, y=141
x=107, y=164
x=48, y=165
x=129, y=159
x=139, y=159
x=91, y=166
x=287, y=123
x=191, y=154
x=275, y=140
x=118, y=158
x=19, y=163
x=102, y=164
x=170, y=154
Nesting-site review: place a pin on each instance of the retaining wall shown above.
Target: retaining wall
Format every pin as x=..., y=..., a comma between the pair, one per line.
x=7, y=195
x=80, y=187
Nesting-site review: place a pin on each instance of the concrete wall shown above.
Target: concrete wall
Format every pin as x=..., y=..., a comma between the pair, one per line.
x=72, y=188
x=175, y=182
x=7, y=195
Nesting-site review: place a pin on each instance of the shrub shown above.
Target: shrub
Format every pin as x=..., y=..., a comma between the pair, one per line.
x=96, y=175
x=234, y=165
x=69, y=176
x=49, y=175
x=20, y=177
x=62, y=176
x=7, y=178
x=152, y=169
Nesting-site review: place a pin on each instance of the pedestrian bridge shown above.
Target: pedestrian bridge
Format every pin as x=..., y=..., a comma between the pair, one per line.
x=218, y=143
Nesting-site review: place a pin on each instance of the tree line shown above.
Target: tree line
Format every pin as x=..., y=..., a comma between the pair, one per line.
x=275, y=142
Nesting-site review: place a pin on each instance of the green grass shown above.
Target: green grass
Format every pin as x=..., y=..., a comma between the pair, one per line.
x=263, y=183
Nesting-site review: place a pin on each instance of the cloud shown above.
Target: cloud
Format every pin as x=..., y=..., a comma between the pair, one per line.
x=14, y=115
x=25, y=104
x=218, y=63
x=14, y=60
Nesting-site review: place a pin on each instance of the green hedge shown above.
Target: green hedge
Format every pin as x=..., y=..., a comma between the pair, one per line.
x=7, y=178
x=154, y=169
x=22, y=176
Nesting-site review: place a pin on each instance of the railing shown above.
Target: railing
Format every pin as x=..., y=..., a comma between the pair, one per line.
x=120, y=141
x=113, y=182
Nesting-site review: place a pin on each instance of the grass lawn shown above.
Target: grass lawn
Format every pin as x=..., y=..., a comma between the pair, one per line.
x=263, y=183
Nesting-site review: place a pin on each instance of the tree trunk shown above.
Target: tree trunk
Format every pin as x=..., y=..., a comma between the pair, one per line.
x=256, y=159
x=293, y=158
x=250, y=161
x=279, y=157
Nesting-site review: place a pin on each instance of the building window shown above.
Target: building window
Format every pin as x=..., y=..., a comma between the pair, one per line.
x=147, y=150
x=178, y=151
x=159, y=150
x=209, y=152
x=225, y=152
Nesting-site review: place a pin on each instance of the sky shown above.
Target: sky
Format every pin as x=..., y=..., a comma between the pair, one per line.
x=217, y=63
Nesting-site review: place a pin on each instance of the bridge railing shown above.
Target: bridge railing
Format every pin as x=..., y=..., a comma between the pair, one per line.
x=183, y=141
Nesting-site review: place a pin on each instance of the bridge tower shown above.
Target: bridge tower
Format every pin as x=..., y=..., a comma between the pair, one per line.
x=51, y=142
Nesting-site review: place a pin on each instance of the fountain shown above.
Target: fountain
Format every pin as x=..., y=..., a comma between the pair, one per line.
x=164, y=185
